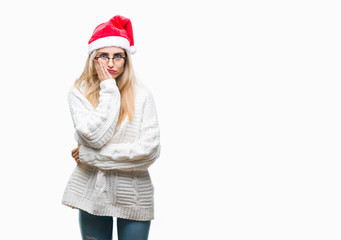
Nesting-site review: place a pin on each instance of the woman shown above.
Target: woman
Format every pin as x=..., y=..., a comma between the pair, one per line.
x=118, y=139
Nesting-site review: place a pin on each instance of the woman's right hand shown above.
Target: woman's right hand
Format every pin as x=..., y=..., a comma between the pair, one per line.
x=102, y=71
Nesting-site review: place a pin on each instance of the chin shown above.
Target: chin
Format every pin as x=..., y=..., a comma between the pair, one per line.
x=116, y=75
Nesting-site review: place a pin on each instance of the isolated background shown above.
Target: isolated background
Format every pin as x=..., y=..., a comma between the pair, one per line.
x=248, y=98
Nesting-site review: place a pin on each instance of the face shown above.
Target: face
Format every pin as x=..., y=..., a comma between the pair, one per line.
x=114, y=66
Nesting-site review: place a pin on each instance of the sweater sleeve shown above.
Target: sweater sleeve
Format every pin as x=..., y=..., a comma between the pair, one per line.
x=129, y=156
x=95, y=126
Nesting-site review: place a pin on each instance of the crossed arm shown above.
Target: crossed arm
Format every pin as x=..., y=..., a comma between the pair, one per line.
x=138, y=155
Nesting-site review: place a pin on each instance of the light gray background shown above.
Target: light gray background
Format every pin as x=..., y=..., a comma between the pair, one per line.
x=248, y=98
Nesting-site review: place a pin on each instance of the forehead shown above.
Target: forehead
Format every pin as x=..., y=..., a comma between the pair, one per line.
x=111, y=50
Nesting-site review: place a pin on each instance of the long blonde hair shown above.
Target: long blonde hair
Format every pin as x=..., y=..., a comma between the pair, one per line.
x=125, y=83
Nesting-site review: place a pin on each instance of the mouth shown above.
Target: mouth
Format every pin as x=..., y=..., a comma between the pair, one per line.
x=111, y=71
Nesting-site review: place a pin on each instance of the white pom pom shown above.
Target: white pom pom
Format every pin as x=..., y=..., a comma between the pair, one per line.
x=132, y=50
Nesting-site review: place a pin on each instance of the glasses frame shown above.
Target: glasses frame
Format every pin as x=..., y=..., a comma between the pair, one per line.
x=113, y=59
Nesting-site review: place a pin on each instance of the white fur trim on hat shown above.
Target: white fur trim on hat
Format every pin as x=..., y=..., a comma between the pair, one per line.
x=112, y=41
x=132, y=49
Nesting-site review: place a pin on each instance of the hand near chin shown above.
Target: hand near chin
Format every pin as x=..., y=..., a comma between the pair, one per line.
x=102, y=71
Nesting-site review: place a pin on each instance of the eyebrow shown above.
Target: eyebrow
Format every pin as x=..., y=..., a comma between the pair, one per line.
x=114, y=53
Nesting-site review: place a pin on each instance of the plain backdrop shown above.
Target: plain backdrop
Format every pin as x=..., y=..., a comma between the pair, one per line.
x=248, y=100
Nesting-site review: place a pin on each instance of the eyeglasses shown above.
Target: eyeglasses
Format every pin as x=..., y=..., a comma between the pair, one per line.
x=116, y=59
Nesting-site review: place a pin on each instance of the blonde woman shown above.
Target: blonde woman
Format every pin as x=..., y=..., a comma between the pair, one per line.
x=118, y=139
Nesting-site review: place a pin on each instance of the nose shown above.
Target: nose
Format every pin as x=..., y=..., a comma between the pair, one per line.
x=111, y=62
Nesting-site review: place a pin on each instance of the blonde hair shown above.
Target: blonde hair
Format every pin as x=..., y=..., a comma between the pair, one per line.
x=125, y=83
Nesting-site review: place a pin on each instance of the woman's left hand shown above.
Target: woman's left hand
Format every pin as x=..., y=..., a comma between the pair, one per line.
x=75, y=154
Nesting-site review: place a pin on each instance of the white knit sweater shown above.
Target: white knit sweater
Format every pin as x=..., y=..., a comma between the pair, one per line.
x=112, y=177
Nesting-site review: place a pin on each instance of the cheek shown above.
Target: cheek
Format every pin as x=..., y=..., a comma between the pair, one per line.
x=120, y=69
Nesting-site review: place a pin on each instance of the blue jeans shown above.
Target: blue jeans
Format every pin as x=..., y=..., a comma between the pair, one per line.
x=100, y=227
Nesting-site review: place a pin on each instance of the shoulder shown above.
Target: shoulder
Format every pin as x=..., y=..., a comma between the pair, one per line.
x=75, y=95
x=146, y=98
x=74, y=91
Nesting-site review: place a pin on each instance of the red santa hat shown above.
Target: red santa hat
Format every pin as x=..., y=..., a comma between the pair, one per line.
x=117, y=32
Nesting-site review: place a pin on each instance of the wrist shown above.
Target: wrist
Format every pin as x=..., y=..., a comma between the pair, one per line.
x=107, y=83
x=86, y=154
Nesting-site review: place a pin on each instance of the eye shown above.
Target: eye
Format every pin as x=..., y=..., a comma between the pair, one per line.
x=103, y=55
x=118, y=56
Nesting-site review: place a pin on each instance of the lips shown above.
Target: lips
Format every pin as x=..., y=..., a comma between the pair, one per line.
x=111, y=71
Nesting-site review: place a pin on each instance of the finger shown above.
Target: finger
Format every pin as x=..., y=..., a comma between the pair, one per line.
x=74, y=150
x=98, y=69
x=101, y=62
x=72, y=153
x=105, y=71
x=75, y=154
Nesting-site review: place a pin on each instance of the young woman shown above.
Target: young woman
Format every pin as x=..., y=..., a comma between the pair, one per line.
x=118, y=139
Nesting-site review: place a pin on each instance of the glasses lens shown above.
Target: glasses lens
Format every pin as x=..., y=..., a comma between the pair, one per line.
x=118, y=58
x=104, y=59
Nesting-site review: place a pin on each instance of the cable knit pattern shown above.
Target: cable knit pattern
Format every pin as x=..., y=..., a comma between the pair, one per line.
x=95, y=126
x=112, y=178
